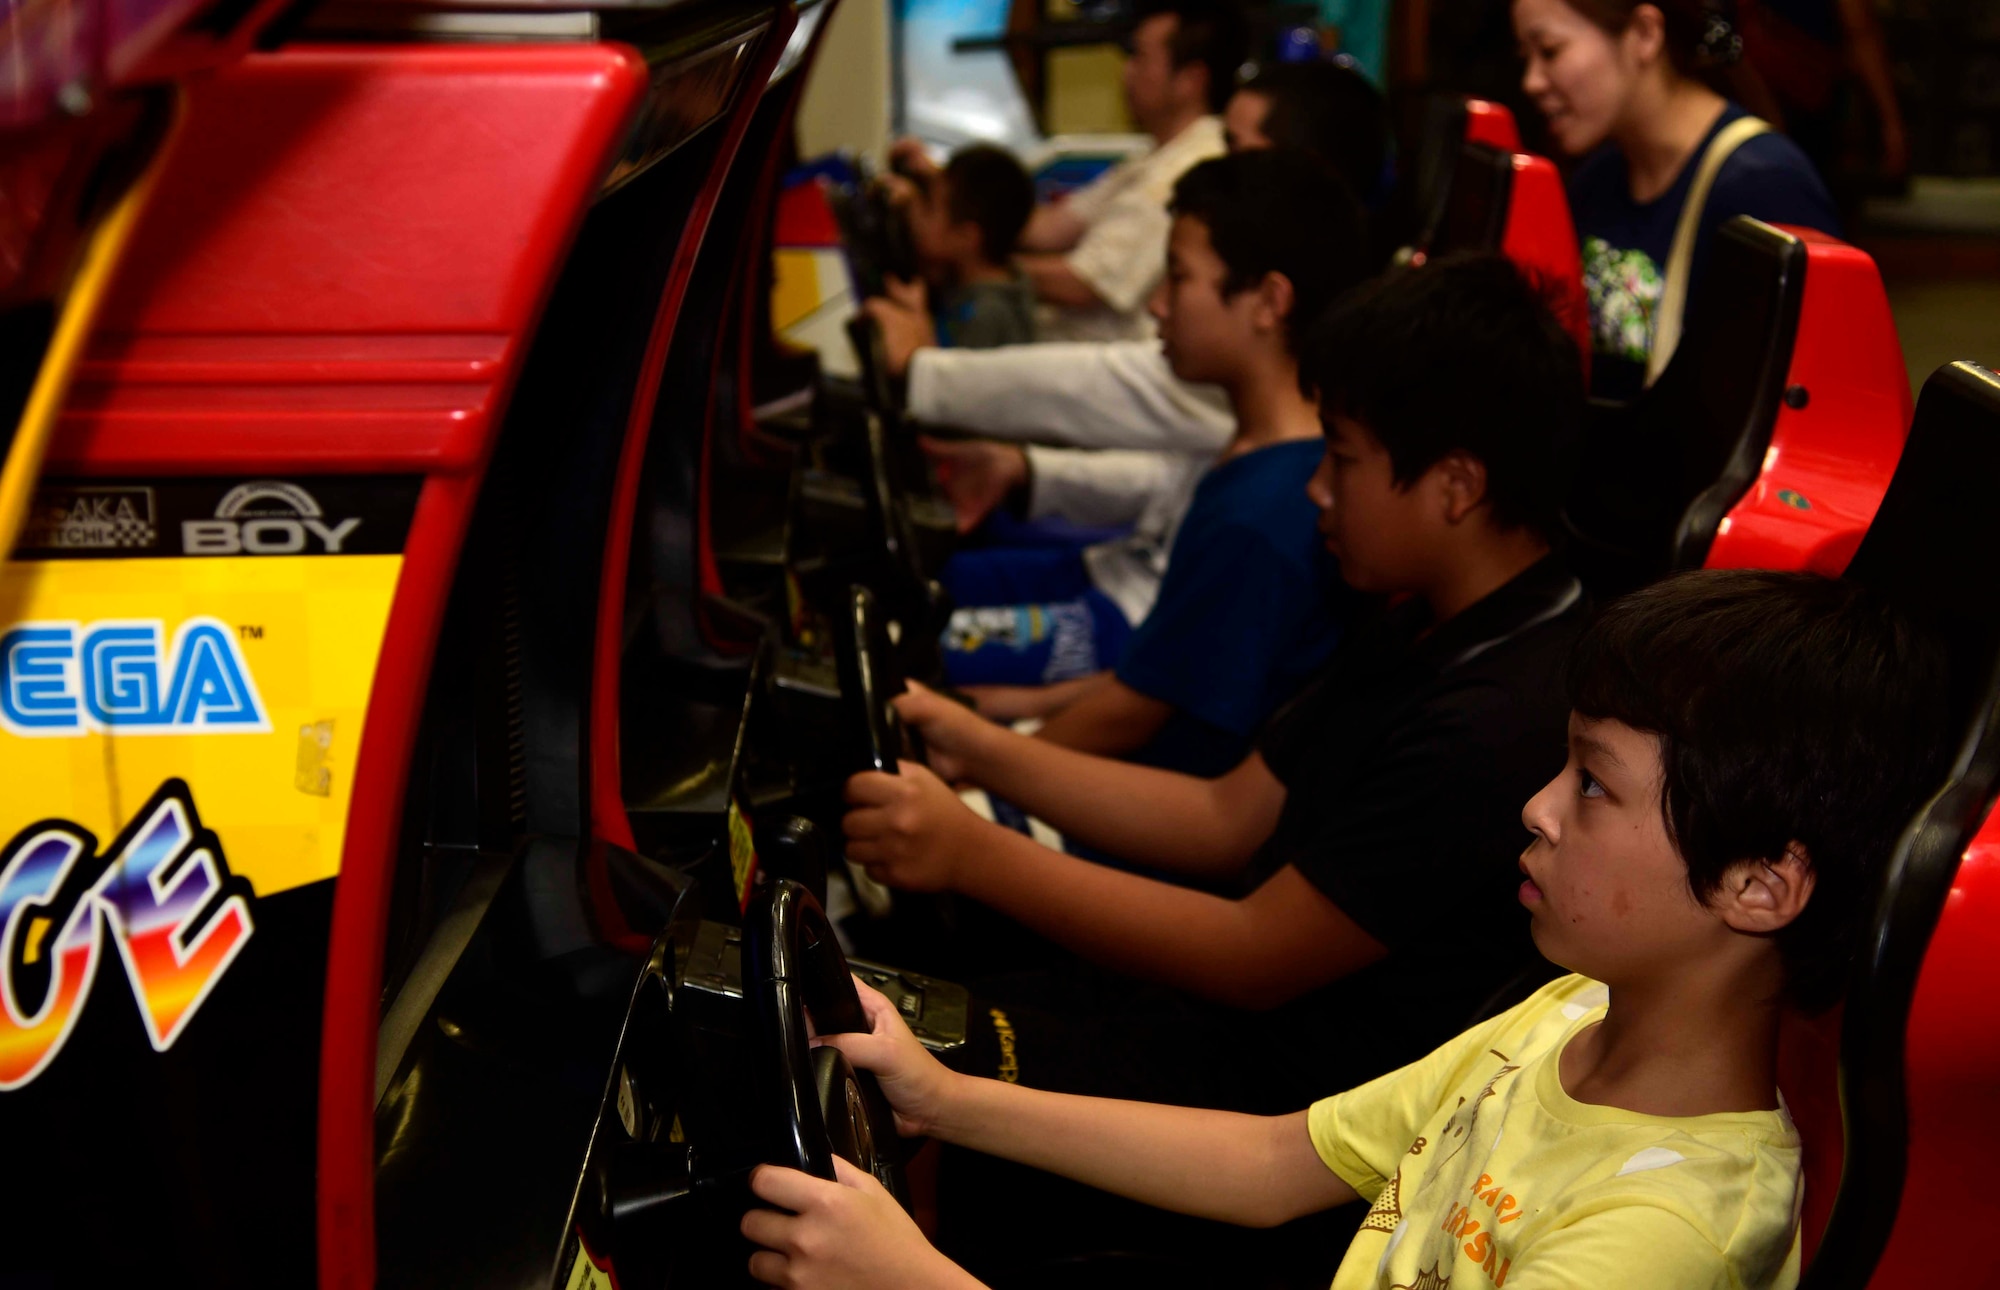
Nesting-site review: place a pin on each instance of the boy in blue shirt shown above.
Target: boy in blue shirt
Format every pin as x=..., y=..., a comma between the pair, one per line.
x=1744, y=749
x=1261, y=244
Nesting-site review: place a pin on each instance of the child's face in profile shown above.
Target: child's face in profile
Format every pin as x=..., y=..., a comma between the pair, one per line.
x=1204, y=332
x=941, y=245
x=1606, y=887
x=1374, y=526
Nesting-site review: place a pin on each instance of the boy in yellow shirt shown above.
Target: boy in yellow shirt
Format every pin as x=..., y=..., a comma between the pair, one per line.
x=1744, y=748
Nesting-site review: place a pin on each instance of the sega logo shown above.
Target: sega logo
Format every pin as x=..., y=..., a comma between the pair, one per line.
x=120, y=676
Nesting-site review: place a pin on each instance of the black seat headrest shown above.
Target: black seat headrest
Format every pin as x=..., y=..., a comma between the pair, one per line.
x=1727, y=378
x=1473, y=216
x=1932, y=540
x=1658, y=474
x=1434, y=156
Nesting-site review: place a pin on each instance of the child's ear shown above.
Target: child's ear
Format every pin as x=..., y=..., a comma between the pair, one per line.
x=1762, y=896
x=1462, y=480
x=1275, y=299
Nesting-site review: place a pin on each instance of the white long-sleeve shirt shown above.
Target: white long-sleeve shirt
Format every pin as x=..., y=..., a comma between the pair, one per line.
x=1108, y=394
x=1156, y=435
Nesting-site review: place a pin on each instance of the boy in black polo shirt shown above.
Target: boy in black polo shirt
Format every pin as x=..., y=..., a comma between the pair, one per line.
x=1347, y=900
x=1372, y=835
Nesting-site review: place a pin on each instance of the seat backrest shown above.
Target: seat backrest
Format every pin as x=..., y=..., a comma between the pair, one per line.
x=1473, y=215
x=1930, y=545
x=1447, y=123
x=1798, y=491
x=1514, y=203
x=1540, y=236
x=1492, y=124
x=1708, y=417
x=1809, y=1079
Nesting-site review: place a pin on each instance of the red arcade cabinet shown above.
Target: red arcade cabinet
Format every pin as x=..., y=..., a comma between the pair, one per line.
x=310, y=884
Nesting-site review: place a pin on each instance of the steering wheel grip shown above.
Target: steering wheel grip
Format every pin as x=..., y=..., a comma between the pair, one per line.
x=869, y=678
x=872, y=353
x=793, y=966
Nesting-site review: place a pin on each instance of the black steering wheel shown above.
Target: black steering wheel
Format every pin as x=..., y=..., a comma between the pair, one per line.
x=870, y=676
x=871, y=352
x=792, y=968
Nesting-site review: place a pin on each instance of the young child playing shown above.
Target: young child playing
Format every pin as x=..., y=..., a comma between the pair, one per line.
x=1261, y=244
x=1744, y=748
x=964, y=221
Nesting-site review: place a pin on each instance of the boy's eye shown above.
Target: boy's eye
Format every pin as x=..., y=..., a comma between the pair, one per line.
x=1587, y=785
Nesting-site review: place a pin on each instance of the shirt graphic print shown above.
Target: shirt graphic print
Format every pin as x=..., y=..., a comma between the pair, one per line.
x=1624, y=287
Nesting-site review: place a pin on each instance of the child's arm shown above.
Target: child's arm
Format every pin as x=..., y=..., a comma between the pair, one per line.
x=1282, y=940
x=1057, y=283
x=1254, y=1170
x=1157, y=817
x=1021, y=702
x=1054, y=226
x=1109, y=718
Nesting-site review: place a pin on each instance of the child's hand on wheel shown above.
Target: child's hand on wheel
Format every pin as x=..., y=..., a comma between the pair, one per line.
x=843, y=1235
x=951, y=731
x=976, y=475
x=916, y=1083
x=904, y=315
x=909, y=830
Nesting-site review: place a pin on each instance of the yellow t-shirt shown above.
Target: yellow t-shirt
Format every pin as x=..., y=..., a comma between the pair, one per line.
x=1485, y=1173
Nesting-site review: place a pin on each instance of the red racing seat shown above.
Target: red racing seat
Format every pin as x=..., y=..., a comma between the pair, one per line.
x=1768, y=440
x=1509, y=201
x=1423, y=186
x=1492, y=124
x=1920, y=1036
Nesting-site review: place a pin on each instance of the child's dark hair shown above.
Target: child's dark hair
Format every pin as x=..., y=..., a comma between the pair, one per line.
x=1214, y=33
x=1331, y=111
x=988, y=186
x=1459, y=355
x=1789, y=708
x=1275, y=211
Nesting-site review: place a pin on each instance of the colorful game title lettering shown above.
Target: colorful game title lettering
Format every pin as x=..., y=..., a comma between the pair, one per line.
x=119, y=676
x=162, y=893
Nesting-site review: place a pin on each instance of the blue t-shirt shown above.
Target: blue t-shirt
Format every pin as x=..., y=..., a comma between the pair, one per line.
x=1626, y=243
x=1247, y=610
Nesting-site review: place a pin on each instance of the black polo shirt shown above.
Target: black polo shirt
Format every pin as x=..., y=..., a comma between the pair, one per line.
x=1406, y=764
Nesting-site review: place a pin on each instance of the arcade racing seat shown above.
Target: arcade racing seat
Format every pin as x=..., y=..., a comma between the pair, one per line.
x=1446, y=123
x=1514, y=203
x=1768, y=439
x=1920, y=1041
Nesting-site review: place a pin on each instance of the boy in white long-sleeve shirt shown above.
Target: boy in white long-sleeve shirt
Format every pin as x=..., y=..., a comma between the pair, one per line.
x=1105, y=434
